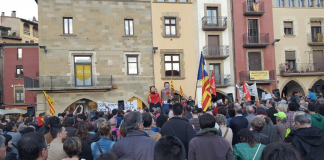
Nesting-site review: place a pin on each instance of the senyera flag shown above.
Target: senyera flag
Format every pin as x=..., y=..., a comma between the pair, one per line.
x=50, y=103
x=203, y=77
x=213, y=88
x=181, y=91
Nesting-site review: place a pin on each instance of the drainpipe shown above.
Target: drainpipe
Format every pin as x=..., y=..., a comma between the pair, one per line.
x=152, y=43
x=233, y=46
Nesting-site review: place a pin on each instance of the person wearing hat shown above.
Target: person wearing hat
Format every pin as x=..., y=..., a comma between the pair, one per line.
x=281, y=126
x=52, y=121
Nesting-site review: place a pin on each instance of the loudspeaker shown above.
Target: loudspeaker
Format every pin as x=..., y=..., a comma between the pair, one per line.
x=276, y=92
x=318, y=88
x=30, y=111
x=121, y=104
x=230, y=98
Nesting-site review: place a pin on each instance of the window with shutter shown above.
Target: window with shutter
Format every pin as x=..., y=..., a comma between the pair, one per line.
x=288, y=28
x=255, y=61
x=290, y=60
x=318, y=59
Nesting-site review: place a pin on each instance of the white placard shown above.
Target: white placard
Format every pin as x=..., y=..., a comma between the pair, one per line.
x=268, y=96
x=106, y=106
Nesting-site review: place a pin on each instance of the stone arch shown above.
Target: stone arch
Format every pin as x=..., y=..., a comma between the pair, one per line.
x=140, y=98
x=315, y=80
x=264, y=89
x=303, y=88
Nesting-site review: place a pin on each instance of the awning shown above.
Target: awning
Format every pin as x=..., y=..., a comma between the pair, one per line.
x=16, y=111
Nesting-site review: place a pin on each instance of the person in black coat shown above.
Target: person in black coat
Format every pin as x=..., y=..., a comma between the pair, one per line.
x=271, y=111
x=179, y=127
x=257, y=124
x=237, y=123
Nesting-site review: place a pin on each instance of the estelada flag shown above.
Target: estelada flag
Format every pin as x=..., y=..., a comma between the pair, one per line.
x=50, y=103
x=172, y=86
x=181, y=92
x=246, y=92
x=213, y=88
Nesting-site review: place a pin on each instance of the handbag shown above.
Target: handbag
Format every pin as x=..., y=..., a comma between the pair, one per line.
x=257, y=151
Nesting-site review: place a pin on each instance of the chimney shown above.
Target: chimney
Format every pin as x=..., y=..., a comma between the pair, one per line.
x=34, y=19
x=2, y=14
x=13, y=14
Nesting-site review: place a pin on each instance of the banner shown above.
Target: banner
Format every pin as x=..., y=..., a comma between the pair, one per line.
x=259, y=75
x=252, y=90
x=106, y=106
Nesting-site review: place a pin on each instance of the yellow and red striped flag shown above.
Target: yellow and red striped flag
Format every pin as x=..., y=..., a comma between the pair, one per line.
x=203, y=76
x=172, y=86
x=149, y=95
x=50, y=103
x=181, y=92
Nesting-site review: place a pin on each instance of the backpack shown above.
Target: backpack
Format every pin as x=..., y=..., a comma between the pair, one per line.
x=114, y=135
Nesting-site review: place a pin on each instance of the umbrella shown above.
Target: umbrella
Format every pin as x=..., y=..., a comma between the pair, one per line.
x=18, y=111
x=3, y=112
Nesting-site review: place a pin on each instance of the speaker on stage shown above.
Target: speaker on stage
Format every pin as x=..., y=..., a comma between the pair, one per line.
x=318, y=88
x=30, y=111
x=121, y=104
x=230, y=98
x=276, y=92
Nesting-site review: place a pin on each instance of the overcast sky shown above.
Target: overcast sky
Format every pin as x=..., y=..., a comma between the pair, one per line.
x=24, y=8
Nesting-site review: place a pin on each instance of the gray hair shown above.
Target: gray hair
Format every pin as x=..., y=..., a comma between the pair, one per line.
x=283, y=102
x=113, y=121
x=99, y=121
x=2, y=140
x=249, y=109
x=220, y=119
x=158, y=110
x=302, y=119
x=261, y=105
x=238, y=109
x=283, y=107
x=131, y=121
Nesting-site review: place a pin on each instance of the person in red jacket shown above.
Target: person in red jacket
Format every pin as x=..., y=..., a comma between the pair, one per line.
x=155, y=100
x=41, y=119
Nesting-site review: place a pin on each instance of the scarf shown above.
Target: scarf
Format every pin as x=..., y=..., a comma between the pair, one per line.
x=207, y=130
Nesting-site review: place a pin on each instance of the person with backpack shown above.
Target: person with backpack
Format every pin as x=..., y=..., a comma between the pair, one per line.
x=115, y=134
x=105, y=144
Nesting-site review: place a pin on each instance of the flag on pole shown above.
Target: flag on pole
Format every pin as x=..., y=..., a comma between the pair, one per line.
x=213, y=88
x=246, y=92
x=203, y=76
x=50, y=103
x=172, y=86
x=149, y=95
x=181, y=92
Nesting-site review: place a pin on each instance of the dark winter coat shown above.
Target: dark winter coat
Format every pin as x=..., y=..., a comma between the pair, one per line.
x=237, y=123
x=270, y=131
x=261, y=138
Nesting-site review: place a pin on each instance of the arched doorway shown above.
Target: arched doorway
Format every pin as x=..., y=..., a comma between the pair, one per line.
x=140, y=104
x=320, y=84
x=88, y=105
x=218, y=97
x=289, y=87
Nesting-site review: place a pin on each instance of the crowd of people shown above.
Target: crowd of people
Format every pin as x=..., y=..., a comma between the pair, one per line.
x=287, y=129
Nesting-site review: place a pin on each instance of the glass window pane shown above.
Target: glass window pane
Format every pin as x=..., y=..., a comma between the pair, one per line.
x=175, y=58
x=132, y=59
x=173, y=30
x=22, y=97
x=167, y=21
x=214, y=14
x=126, y=27
x=17, y=96
x=131, y=27
x=132, y=68
x=167, y=30
x=160, y=0
x=71, y=26
x=173, y=21
x=172, y=0
x=82, y=59
x=19, y=53
x=168, y=69
x=66, y=26
x=176, y=69
x=167, y=58
x=183, y=1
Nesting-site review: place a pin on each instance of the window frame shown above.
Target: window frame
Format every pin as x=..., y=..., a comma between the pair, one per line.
x=128, y=34
x=290, y=3
x=128, y=56
x=286, y=29
x=68, y=25
x=21, y=92
x=21, y=75
x=261, y=60
x=172, y=62
x=19, y=53
x=279, y=3
x=170, y=25
x=82, y=63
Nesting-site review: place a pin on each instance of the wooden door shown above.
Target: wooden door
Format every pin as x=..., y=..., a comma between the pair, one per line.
x=318, y=59
x=253, y=31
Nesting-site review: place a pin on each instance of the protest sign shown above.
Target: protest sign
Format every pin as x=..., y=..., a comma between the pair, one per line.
x=106, y=106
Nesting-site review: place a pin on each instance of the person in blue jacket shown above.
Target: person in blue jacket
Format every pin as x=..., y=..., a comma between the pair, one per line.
x=311, y=94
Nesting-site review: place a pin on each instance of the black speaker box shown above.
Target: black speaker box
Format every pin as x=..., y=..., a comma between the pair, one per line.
x=30, y=111
x=276, y=92
x=121, y=104
x=230, y=98
x=318, y=88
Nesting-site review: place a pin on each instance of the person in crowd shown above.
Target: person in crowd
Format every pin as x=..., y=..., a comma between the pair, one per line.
x=184, y=102
x=101, y=116
x=86, y=140
x=283, y=106
x=70, y=129
x=276, y=151
x=90, y=128
x=271, y=105
x=166, y=112
x=52, y=122
x=247, y=149
x=303, y=105
x=191, y=102
x=257, y=125
x=107, y=156
x=105, y=144
x=2, y=148
x=308, y=140
x=317, y=119
x=96, y=136
x=208, y=135
x=281, y=126
x=115, y=134
x=170, y=148
x=32, y=146
x=119, y=119
x=227, y=132
x=154, y=99
x=292, y=107
x=136, y=145
x=13, y=132
x=223, y=111
x=59, y=133
x=295, y=97
x=40, y=119
x=158, y=112
x=250, y=115
x=320, y=109
x=27, y=130
x=160, y=121
x=72, y=148
x=311, y=94
x=179, y=127
x=195, y=120
x=11, y=151
x=269, y=129
x=147, y=123
x=43, y=129
x=237, y=123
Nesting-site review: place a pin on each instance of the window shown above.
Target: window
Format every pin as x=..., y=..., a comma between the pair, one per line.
x=132, y=68
x=255, y=61
x=129, y=28
x=19, y=54
x=318, y=58
x=172, y=0
x=290, y=60
x=300, y=3
x=67, y=25
x=212, y=15
x=217, y=72
x=319, y=3
x=172, y=65
x=280, y=3
x=316, y=30
x=290, y=3
x=83, y=70
x=309, y=3
x=19, y=72
x=19, y=94
x=183, y=1
x=253, y=31
x=288, y=28
x=170, y=26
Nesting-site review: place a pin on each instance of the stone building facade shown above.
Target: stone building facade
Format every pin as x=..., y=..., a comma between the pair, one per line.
x=93, y=51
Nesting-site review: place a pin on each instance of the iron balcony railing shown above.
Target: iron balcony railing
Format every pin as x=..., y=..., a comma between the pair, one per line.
x=223, y=79
x=67, y=81
x=9, y=33
x=211, y=50
x=301, y=67
x=261, y=38
x=251, y=6
x=214, y=21
x=315, y=38
x=246, y=75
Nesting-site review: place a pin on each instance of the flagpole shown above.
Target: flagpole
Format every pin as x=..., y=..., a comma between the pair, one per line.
x=196, y=92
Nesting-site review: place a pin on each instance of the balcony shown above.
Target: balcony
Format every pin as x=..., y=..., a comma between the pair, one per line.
x=216, y=52
x=26, y=33
x=19, y=76
x=301, y=69
x=68, y=83
x=223, y=81
x=260, y=77
x=214, y=23
x=260, y=40
x=315, y=39
x=253, y=9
